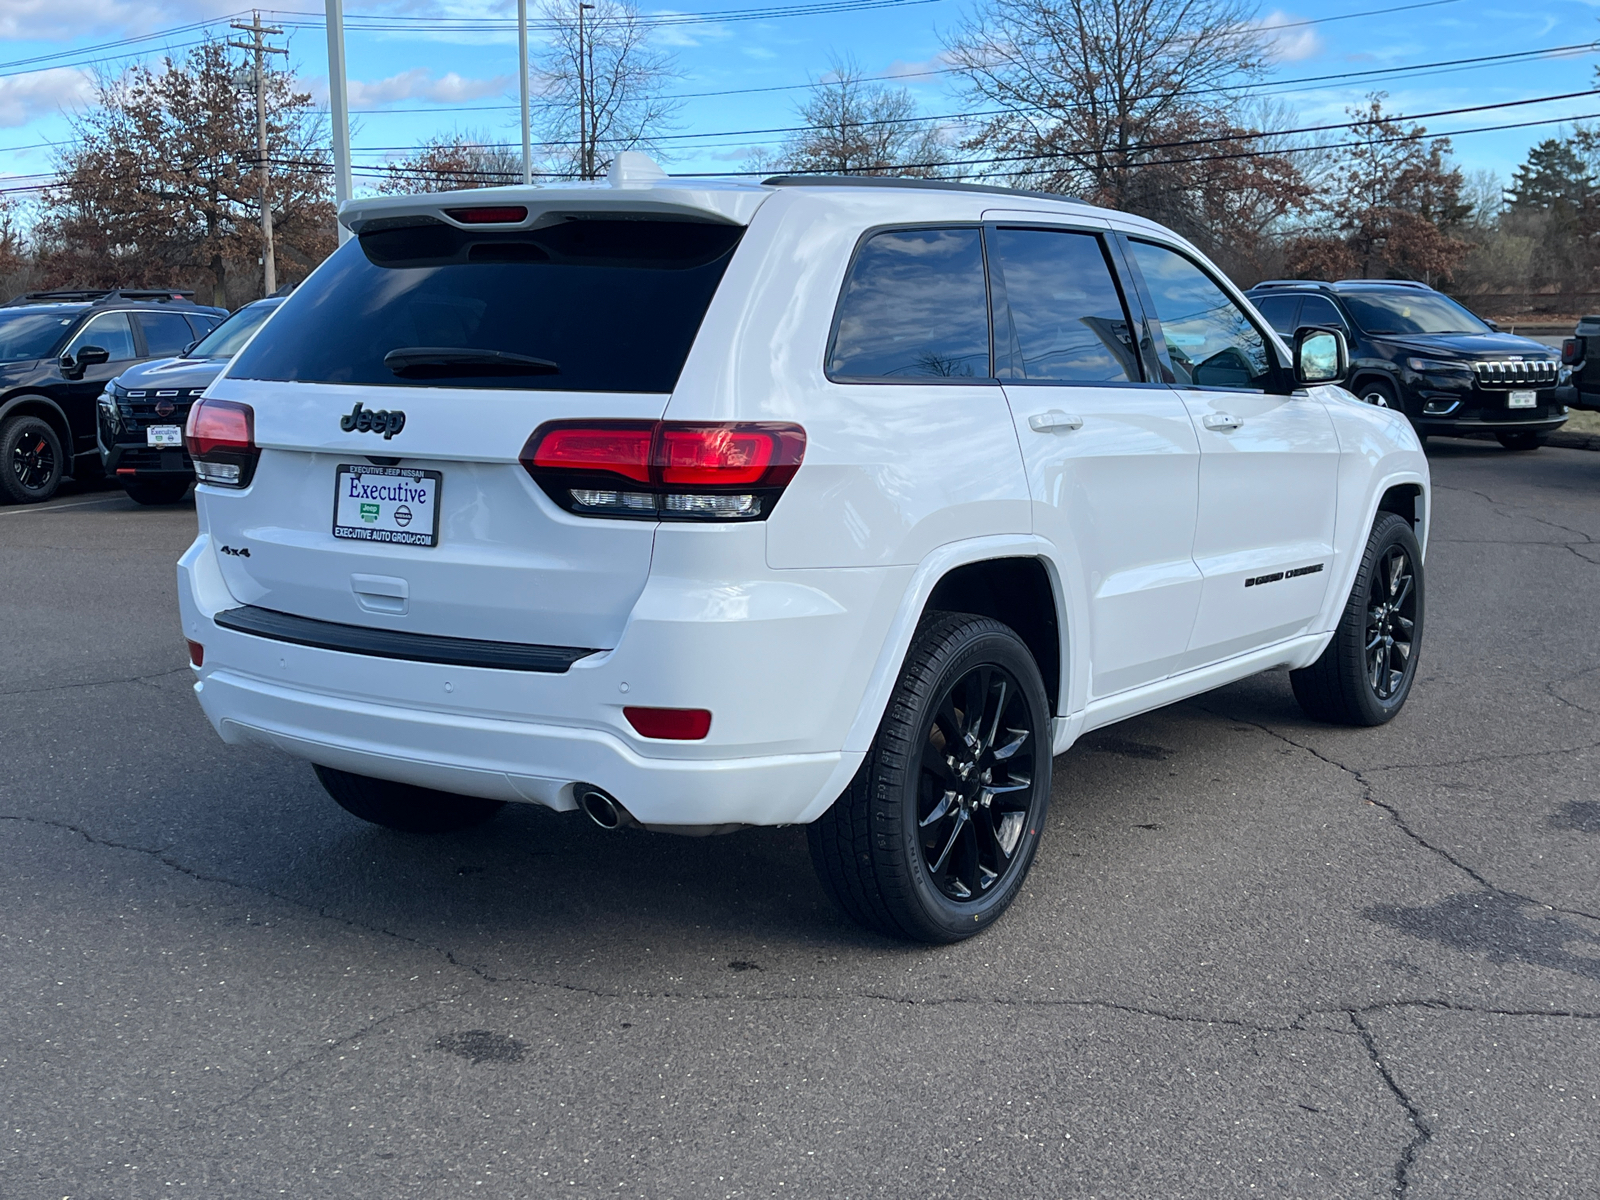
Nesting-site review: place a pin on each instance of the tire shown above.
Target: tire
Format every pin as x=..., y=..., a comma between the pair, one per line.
x=1356, y=682
x=31, y=462
x=405, y=806
x=1520, y=439
x=903, y=853
x=1382, y=395
x=156, y=491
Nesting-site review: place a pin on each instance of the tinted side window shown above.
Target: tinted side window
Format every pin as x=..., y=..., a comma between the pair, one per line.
x=1279, y=312
x=915, y=306
x=110, y=331
x=586, y=305
x=165, y=333
x=1209, y=339
x=1319, y=310
x=203, y=323
x=1067, y=322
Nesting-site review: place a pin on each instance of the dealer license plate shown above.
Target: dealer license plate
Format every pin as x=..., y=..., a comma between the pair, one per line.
x=1523, y=400
x=399, y=505
x=164, y=435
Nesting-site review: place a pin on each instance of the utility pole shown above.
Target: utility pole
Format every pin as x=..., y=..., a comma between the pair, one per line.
x=583, y=103
x=338, y=109
x=258, y=46
x=594, y=117
x=522, y=89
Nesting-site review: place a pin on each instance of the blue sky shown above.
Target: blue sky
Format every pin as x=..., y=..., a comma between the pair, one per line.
x=414, y=82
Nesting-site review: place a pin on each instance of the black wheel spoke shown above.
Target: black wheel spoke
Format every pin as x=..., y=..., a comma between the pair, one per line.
x=976, y=790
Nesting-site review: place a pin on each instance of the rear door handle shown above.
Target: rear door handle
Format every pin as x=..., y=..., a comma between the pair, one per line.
x=1049, y=422
x=1221, y=421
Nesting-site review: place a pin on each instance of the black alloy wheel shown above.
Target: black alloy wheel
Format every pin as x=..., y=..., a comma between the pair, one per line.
x=1391, y=622
x=934, y=836
x=1366, y=672
x=31, y=462
x=975, y=784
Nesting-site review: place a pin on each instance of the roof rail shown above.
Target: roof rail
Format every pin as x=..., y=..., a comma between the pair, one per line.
x=1410, y=283
x=896, y=181
x=1287, y=283
x=101, y=295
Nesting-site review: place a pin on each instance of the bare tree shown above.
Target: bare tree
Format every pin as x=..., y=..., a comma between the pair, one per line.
x=449, y=162
x=161, y=186
x=602, y=85
x=1088, y=91
x=855, y=127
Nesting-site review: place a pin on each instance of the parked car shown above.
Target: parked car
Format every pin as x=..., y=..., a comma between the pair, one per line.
x=142, y=411
x=1577, y=354
x=57, y=352
x=1417, y=351
x=838, y=502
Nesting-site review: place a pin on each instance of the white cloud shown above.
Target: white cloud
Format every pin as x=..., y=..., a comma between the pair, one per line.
x=42, y=94
x=1288, y=39
x=416, y=84
x=900, y=69
x=101, y=20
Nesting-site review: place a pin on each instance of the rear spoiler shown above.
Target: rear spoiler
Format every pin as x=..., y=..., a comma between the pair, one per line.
x=634, y=187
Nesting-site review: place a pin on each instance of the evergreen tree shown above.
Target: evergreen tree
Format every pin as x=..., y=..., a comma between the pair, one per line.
x=1554, y=179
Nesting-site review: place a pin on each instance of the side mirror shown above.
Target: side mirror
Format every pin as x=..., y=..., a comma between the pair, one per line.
x=92, y=356
x=1320, y=355
x=1494, y=326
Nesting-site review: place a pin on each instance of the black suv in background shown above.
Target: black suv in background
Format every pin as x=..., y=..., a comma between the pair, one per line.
x=1417, y=350
x=58, y=350
x=143, y=410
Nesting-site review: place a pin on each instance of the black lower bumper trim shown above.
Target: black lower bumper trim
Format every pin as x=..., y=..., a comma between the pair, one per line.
x=388, y=643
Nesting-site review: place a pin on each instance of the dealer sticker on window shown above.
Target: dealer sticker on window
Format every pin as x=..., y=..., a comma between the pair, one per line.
x=387, y=504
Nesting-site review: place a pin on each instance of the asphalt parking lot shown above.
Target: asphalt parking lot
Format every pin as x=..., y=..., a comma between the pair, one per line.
x=1256, y=957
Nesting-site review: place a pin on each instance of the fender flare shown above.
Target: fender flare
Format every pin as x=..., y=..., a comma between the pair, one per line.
x=933, y=568
x=1333, y=603
x=63, y=426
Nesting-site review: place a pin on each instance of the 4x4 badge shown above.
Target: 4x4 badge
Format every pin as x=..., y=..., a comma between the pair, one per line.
x=361, y=420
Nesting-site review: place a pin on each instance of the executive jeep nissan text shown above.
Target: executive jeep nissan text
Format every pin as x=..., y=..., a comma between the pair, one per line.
x=842, y=502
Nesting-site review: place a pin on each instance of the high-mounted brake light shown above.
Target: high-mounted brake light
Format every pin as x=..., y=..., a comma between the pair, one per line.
x=666, y=470
x=221, y=438
x=508, y=214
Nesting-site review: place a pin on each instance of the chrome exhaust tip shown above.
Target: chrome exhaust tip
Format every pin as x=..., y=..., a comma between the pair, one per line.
x=601, y=808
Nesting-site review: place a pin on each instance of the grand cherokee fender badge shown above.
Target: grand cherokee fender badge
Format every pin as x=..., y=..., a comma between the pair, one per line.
x=1258, y=580
x=362, y=420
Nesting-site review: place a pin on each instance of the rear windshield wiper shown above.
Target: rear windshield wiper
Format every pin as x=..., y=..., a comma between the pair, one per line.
x=444, y=362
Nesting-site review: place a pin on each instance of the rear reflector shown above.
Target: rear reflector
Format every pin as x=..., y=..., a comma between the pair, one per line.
x=506, y=215
x=197, y=653
x=675, y=724
x=221, y=439
x=665, y=470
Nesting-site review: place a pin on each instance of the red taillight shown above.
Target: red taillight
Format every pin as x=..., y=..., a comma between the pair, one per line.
x=508, y=214
x=197, y=653
x=675, y=724
x=1571, y=351
x=221, y=438
x=679, y=470
x=620, y=449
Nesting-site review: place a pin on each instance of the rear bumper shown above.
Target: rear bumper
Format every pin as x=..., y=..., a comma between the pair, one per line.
x=782, y=674
x=516, y=760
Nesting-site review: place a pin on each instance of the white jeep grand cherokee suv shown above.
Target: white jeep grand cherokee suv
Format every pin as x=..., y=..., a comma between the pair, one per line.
x=843, y=502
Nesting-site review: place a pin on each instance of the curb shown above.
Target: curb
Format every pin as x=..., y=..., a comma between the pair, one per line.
x=1574, y=441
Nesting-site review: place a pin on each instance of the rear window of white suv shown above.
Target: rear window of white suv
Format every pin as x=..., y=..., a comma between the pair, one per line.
x=587, y=305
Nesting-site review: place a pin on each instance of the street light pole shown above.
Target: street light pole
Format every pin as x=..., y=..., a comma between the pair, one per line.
x=338, y=109
x=522, y=87
x=583, y=105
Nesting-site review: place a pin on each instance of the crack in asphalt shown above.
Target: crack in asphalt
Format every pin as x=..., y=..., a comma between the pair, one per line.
x=1423, y=1134
x=1368, y=794
x=94, y=683
x=1514, y=515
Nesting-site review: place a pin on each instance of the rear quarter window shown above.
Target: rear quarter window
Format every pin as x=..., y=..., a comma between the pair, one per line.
x=915, y=308
x=611, y=305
